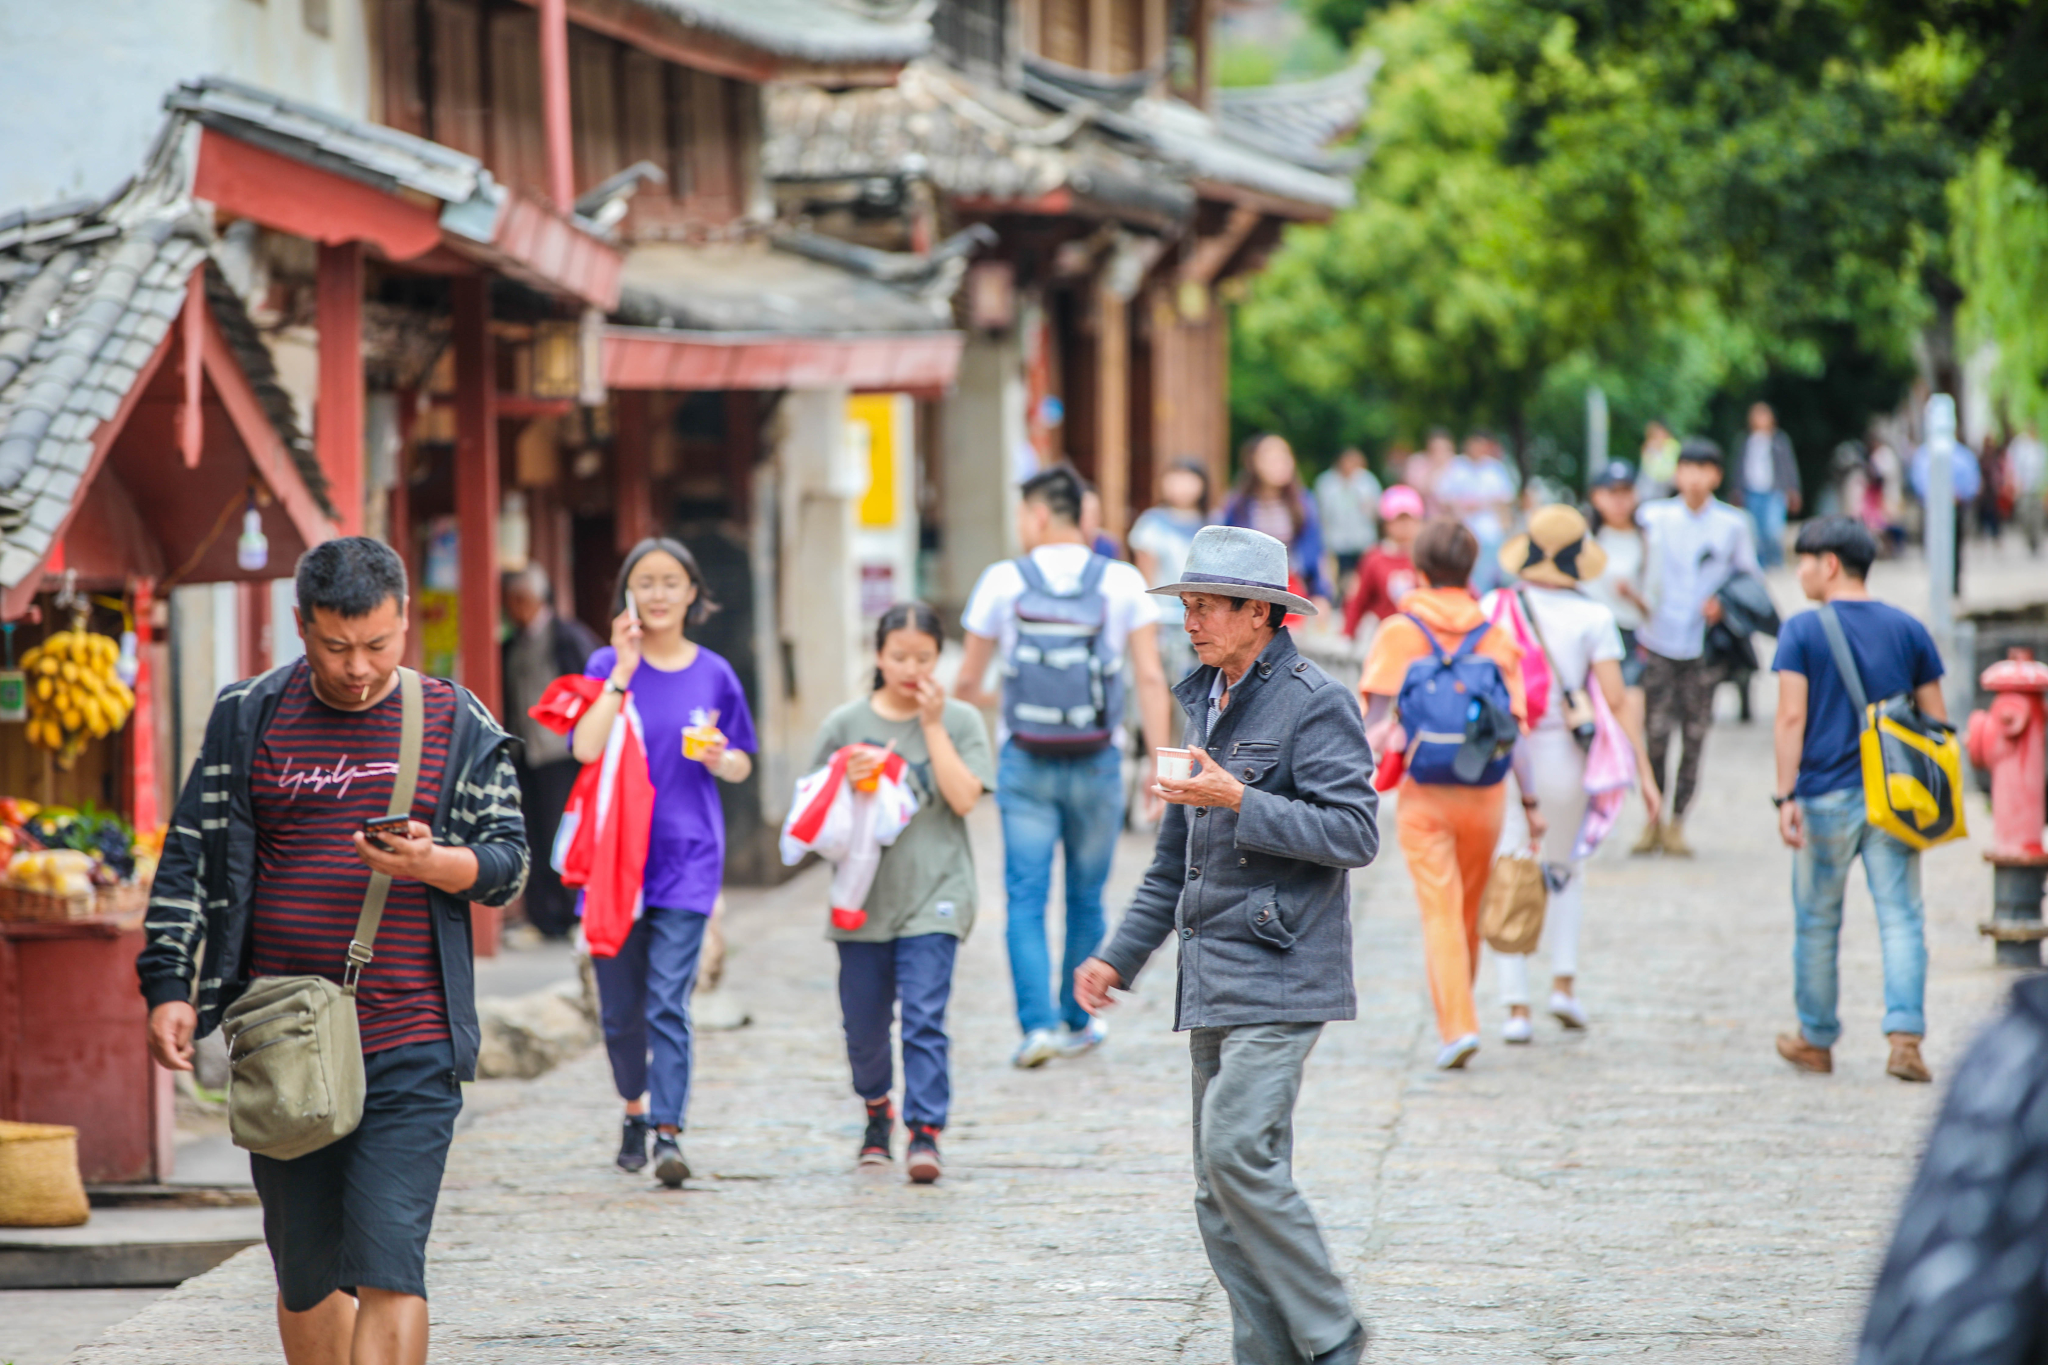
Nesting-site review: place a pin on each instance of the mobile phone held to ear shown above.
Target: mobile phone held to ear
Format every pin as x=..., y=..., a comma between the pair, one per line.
x=398, y=825
x=632, y=610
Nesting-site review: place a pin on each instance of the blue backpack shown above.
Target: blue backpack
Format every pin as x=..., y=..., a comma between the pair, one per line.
x=1063, y=691
x=1458, y=715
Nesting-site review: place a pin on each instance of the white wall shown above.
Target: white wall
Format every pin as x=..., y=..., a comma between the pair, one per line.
x=85, y=80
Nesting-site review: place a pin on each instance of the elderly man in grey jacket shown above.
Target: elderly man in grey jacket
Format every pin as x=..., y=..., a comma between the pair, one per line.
x=1252, y=875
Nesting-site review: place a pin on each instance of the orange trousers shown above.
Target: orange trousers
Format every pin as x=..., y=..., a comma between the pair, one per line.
x=1448, y=836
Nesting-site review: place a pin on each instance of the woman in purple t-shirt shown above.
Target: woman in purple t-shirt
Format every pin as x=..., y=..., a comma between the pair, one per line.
x=675, y=685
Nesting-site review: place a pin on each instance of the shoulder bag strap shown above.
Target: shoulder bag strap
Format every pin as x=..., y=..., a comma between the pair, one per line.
x=1543, y=646
x=411, y=735
x=1845, y=662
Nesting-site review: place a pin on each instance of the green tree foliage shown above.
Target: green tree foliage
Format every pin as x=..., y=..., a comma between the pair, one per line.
x=1672, y=198
x=2002, y=260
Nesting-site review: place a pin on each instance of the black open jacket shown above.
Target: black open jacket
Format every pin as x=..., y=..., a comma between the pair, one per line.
x=206, y=879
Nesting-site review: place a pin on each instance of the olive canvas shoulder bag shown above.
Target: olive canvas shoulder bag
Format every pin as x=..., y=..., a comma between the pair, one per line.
x=295, y=1050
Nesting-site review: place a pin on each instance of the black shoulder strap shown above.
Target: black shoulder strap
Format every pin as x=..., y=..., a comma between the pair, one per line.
x=1845, y=662
x=411, y=736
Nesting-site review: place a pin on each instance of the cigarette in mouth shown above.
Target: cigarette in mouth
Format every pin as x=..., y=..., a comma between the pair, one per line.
x=365, y=694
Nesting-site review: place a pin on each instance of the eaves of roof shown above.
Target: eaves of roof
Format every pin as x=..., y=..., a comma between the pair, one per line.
x=825, y=32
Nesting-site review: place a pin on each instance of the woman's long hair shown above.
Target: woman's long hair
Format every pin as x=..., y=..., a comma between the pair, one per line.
x=700, y=609
x=907, y=616
x=1247, y=486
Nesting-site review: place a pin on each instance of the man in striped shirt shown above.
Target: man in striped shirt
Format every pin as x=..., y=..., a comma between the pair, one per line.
x=266, y=863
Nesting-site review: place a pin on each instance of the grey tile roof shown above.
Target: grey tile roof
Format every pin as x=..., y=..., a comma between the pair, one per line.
x=968, y=140
x=377, y=156
x=1184, y=137
x=1302, y=119
x=759, y=288
x=828, y=32
x=87, y=293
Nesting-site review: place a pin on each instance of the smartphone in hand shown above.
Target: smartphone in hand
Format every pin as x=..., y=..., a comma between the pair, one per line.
x=398, y=825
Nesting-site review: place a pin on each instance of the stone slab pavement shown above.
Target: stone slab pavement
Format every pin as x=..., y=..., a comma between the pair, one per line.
x=1661, y=1187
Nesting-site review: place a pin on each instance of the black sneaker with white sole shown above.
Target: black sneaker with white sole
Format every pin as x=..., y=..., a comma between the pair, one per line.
x=669, y=1167
x=923, y=1157
x=633, y=1142
x=874, y=1144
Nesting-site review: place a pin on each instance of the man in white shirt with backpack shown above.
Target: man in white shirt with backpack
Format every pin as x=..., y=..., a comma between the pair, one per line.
x=1076, y=635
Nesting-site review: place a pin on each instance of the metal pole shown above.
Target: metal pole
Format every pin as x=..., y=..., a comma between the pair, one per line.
x=1596, y=433
x=1941, y=523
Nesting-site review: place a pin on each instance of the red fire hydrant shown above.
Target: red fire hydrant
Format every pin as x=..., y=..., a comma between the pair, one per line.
x=2010, y=741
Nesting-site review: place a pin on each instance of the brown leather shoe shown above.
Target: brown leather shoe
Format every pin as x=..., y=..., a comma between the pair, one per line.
x=1794, y=1048
x=1675, y=845
x=1651, y=842
x=1905, y=1062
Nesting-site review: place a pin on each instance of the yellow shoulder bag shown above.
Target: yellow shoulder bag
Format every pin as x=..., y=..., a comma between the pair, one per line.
x=1912, y=764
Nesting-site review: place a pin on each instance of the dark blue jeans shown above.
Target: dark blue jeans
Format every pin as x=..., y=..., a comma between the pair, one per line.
x=1050, y=803
x=874, y=978
x=644, y=996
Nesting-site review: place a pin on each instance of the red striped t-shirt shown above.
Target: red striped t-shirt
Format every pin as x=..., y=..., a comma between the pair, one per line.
x=318, y=774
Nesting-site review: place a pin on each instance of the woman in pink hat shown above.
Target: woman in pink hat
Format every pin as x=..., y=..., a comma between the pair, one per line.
x=1387, y=573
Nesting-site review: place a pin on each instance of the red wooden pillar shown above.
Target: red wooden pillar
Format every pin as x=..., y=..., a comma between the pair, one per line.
x=338, y=421
x=476, y=490
x=632, y=482
x=554, y=101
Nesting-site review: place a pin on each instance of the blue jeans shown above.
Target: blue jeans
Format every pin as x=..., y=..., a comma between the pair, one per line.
x=1048, y=803
x=1767, y=510
x=1836, y=833
x=874, y=979
x=643, y=995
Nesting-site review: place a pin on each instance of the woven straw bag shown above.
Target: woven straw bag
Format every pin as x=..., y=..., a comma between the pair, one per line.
x=39, y=1184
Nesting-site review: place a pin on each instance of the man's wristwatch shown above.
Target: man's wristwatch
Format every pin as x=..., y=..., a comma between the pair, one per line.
x=1779, y=801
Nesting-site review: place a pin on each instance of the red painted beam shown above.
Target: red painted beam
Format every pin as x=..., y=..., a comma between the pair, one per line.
x=280, y=192
x=476, y=492
x=645, y=358
x=632, y=483
x=260, y=439
x=192, y=336
x=338, y=418
x=554, y=101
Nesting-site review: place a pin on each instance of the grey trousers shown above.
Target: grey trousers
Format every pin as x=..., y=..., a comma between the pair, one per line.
x=1287, y=1305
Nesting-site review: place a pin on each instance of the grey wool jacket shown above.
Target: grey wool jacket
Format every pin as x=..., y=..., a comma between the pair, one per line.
x=1260, y=898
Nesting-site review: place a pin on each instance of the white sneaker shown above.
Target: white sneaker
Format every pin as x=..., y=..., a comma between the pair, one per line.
x=1517, y=1029
x=1040, y=1046
x=1456, y=1054
x=1567, y=1010
x=1073, y=1044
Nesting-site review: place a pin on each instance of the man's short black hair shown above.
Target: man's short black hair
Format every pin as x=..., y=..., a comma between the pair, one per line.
x=1843, y=537
x=1700, y=450
x=1445, y=552
x=1059, y=490
x=350, y=576
x=1276, y=612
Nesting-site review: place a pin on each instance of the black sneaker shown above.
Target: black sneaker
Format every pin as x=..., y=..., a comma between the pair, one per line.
x=874, y=1145
x=633, y=1143
x=923, y=1165
x=669, y=1167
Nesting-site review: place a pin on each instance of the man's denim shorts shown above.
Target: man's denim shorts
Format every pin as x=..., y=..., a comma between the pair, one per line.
x=357, y=1212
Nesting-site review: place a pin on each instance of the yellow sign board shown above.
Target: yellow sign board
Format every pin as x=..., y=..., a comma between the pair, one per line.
x=874, y=414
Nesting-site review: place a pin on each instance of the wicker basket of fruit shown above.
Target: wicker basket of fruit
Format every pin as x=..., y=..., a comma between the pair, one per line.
x=73, y=864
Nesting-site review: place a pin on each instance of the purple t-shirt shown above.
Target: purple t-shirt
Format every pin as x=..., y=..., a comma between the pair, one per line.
x=686, y=849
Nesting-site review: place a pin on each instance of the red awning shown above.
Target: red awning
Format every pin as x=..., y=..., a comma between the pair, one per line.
x=654, y=358
x=529, y=241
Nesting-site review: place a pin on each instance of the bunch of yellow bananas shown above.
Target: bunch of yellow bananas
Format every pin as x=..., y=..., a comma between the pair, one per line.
x=73, y=694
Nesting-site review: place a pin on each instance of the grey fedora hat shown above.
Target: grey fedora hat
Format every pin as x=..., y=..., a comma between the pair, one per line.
x=1236, y=561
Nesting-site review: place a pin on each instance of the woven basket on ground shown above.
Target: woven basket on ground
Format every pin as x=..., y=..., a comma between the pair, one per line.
x=19, y=903
x=39, y=1184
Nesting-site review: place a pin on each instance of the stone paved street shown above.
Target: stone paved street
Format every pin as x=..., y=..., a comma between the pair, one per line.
x=1660, y=1188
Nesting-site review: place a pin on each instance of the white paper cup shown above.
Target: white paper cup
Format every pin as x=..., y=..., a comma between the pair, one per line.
x=1177, y=764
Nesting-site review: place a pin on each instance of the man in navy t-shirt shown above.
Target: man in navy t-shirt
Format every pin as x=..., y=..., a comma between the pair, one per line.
x=1819, y=794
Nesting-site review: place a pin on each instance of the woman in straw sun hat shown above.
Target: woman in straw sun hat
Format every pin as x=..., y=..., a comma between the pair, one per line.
x=1551, y=563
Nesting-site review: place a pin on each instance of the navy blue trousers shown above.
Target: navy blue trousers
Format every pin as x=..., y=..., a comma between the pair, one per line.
x=643, y=995
x=874, y=978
